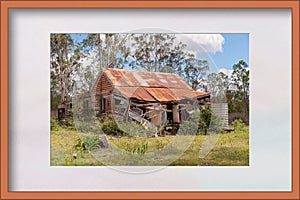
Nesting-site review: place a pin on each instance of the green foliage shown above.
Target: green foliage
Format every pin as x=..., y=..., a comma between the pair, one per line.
x=69, y=123
x=87, y=77
x=204, y=120
x=134, y=145
x=240, y=80
x=54, y=124
x=118, y=127
x=190, y=126
x=135, y=129
x=233, y=89
x=240, y=76
x=234, y=105
x=153, y=52
x=55, y=100
x=65, y=62
x=193, y=71
x=85, y=118
x=138, y=145
x=111, y=50
x=168, y=128
x=161, y=52
x=218, y=85
x=110, y=127
x=200, y=123
x=64, y=143
x=209, y=122
x=231, y=149
x=238, y=125
x=90, y=140
x=86, y=126
x=103, y=50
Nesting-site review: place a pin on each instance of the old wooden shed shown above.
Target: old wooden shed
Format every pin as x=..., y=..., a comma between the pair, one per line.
x=151, y=98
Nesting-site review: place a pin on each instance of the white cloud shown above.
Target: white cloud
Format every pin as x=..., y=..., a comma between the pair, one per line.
x=211, y=43
x=196, y=43
x=226, y=71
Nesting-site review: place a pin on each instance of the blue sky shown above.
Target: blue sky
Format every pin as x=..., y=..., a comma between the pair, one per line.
x=78, y=37
x=221, y=50
x=235, y=48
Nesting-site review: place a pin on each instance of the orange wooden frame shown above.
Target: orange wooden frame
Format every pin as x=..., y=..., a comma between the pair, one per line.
x=292, y=4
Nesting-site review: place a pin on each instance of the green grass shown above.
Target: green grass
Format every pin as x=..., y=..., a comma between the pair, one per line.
x=66, y=142
x=231, y=149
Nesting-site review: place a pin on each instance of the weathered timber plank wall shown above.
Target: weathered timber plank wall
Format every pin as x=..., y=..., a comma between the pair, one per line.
x=103, y=87
x=221, y=109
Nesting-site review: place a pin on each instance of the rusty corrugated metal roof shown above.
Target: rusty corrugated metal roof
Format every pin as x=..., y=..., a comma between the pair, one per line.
x=131, y=78
x=136, y=92
x=200, y=94
x=162, y=94
x=158, y=94
x=151, y=86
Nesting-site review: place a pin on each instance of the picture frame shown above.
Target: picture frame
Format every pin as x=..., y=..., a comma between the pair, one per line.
x=6, y=5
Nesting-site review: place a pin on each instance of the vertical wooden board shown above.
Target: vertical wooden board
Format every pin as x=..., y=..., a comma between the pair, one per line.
x=176, y=117
x=156, y=120
x=221, y=110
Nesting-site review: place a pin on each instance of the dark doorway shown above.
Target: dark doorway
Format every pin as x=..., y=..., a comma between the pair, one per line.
x=170, y=113
x=103, y=105
x=61, y=115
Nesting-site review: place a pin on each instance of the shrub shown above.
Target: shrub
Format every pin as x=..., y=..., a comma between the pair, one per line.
x=88, y=123
x=208, y=121
x=54, y=124
x=135, y=129
x=90, y=141
x=204, y=120
x=238, y=125
x=69, y=123
x=78, y=144
x=190, y=126
x=110, y=127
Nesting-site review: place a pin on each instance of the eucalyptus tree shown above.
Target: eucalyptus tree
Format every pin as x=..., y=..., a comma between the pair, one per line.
x=155, y=52
x=110, y=49
x=218, y=87
x=240, y=81
x=194, y=71
x=64, y=63
x=162, y=52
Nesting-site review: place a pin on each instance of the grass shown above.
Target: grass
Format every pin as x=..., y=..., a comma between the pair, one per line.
x=230, y=149
x=66, y=142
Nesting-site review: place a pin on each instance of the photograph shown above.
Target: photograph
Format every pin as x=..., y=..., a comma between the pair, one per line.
x=149, y=99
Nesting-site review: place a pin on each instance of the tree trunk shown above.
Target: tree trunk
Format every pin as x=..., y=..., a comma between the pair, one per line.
x=245, y=105
x=100, y=50
x=61, y=75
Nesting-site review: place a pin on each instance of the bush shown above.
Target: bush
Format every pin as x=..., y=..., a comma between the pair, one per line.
x=190, y=126
x=135, y=129
x=110, y=127
x=204, y=120
x=89, y=126
x=54, y=124
x=208, y=121
x=69, y=123
x=90, y=141
x=238, y=125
